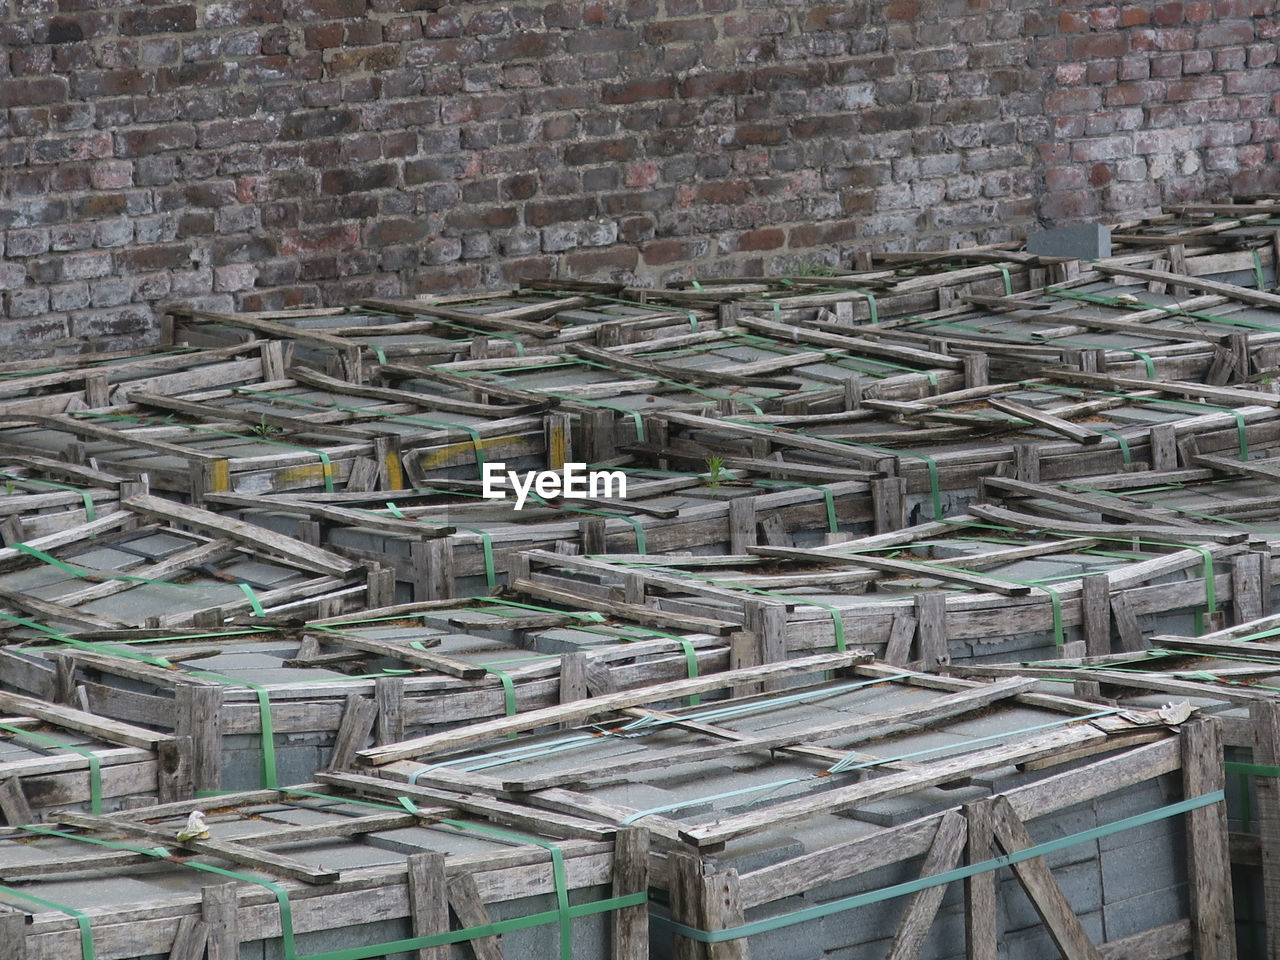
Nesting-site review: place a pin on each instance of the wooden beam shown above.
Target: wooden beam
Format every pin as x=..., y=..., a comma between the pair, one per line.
x=981, y=925
x=219, y=907
x=629, y=926
x=1037, y=880
x=923, y=906
x=1046, y=420
x=910, y=568
x=1208, y=861
x=1265, y=717
x=464, y=898
x=428, y=901
x=581, y=711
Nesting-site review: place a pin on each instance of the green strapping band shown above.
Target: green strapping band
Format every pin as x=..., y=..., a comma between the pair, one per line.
x=82, y=920
x=557, y=873
x=89, y=510
x=872, y=310
x=845, y=904
x=95, y=763
x=486, y=541
x=269, y=777
x=83, y=574
x=690, y=654
x=1252, y=769
x=160, y=853
x=1008, y=285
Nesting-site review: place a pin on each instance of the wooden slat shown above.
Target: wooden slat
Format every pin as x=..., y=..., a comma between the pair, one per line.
x=251, y=535
x=580, y=711
x=1208, y=861
x=236, y=853
x=1046, y=896
x=428, y=901
x=912, y=569
x=923, y=906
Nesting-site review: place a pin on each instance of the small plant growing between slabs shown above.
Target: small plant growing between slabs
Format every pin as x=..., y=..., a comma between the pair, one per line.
x=715, y=471
x=264, y=429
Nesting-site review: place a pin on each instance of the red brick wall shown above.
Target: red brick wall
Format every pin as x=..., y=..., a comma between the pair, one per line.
x=263, y=153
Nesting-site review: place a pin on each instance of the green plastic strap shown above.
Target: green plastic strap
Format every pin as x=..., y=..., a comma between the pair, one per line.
x=496, y=928
x=696, y=285
x=1252, y=769
x=95, y=577
x=1124, y=444
x=89, y=510
x=160, y=853
x=590, y=616
x=1008, y=285
x=31, y=624
x=253, y=599
x=871, y=305
x=82, y=920
x=845, y=904
x=95, y=763
x=486, y=541
x=269, y=776
x=557, y=873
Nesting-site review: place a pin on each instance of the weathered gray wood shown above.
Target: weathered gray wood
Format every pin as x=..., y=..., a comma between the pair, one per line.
x=722, y=910
x=1208, y=861
x=629, y=926
x=980, y=908
x=909, y=568
x=1041, y=419
x=742, y=525
x=219, y=907
x=173, y=773
x=901, y=632
x=199, y=718
x=189, y=941
x=220, y=525
x=1164, y=447
x=13, y=803
x=13, y=933
x=1095, y=602
x=428, y=901
x=1247, y=587
x=573, y=677
x=931, y=629
x=1026, y=462
x=684, y=885
x=1265, y=717
x=1128, y=633
x=464, y=898
x=358, y=714
x=923, y=906
x=388, y=692
x=580, y=711
x=1046, y=896
x=592, y=532
x=888, y=504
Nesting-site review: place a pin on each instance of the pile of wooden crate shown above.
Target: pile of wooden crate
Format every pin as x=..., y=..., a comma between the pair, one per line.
x=935, y=621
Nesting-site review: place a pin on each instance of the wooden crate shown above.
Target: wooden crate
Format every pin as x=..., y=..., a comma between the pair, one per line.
x=442, y=543
x=317, y=872
x=94, y=380
x=1063, y=425
x=350, y=342
x=155, y=562
x=827, y=818
x=933, y=594
x=272, y=704
x=56, y=759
